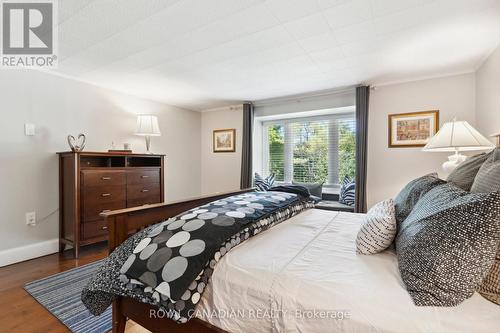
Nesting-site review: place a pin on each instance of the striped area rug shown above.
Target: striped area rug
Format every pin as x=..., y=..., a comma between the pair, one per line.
x=60, y=295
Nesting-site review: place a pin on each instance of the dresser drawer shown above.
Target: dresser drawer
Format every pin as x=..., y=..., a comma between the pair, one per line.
x=103, y=178
x=142, y=191
x=94, y=229
x=135, y=177
x=96, y=195
x=91, y=211
x=143, y=201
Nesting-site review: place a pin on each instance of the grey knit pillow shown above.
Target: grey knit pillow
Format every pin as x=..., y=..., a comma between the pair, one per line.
x=412, y=192
x=490, y=288
x=488, y=177
x=463, y=176
x=448, y=244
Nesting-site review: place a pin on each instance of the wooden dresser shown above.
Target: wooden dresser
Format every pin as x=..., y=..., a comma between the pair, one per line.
x=91, y=183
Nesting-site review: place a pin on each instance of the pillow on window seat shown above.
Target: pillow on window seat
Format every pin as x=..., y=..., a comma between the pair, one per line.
x=296, y=189
x=264, y=184
x=315, y=189
x=348, y=192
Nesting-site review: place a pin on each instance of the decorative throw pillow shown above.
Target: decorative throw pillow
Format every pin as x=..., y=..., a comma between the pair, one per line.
x=488, y=177
x=463, y=176
x=487, y=180
x=378, y=230
x=490, y=288
x=412, y=192
x=315, y=189
x=448, y=244
x=264, y=184
x=289, y=188
x=348, y=192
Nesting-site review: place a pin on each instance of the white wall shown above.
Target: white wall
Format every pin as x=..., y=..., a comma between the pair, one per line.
x=220, y=171
x=389, y=169
x=488, y=95
x=58, y=107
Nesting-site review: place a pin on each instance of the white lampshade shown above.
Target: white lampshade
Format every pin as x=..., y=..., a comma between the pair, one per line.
x=458, y=136
x=147, y=125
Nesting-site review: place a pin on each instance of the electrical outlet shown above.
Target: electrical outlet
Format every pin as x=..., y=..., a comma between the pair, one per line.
x=31, y=218
x=29, y=129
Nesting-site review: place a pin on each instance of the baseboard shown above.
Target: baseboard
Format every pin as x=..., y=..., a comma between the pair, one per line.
x=27, y=252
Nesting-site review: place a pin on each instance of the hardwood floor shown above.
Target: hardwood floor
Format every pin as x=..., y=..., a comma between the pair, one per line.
x=19, y=311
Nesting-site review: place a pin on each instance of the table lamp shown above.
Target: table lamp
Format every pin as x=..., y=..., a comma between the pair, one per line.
x=147, y=125
x=457, y=136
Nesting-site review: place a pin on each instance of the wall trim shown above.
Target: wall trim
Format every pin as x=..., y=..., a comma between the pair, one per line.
x=27, y=252
x=374, y=85
x=298, y=98
x=233, y=107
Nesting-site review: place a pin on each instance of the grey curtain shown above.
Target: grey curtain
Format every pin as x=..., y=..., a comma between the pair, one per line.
x=246, y=149
x=362, y=102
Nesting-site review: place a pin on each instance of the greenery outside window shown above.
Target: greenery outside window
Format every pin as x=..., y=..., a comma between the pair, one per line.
x=313, y=150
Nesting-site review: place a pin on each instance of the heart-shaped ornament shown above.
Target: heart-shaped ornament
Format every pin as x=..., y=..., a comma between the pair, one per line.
x=76, y=145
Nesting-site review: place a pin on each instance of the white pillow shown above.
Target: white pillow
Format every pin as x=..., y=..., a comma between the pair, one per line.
x=379, y=229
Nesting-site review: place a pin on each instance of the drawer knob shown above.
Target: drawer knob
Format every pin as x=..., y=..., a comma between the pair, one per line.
x=106, y=178
x=104, y=227
x=105, y=194
x=144, y=176
x=145, y=190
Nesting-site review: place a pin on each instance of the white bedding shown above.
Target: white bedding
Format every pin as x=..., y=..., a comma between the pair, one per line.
x=308, y=263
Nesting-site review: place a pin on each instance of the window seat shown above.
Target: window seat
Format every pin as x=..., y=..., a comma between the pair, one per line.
x=330, y=200
x=334, y=206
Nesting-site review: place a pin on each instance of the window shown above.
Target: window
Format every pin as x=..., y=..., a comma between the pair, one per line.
x=315, y=149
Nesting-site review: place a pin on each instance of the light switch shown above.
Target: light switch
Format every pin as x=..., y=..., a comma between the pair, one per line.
x=29, y=129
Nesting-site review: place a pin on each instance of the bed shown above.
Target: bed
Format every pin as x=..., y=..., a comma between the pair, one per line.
x=321, y=271
x=314, y=283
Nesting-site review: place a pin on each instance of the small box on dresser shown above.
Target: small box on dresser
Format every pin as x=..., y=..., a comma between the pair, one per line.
x=92, y=182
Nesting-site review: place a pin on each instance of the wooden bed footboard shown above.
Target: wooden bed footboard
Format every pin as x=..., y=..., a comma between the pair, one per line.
x=121, y=224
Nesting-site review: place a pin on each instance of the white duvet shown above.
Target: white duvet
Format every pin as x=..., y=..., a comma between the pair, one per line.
x=304, y=276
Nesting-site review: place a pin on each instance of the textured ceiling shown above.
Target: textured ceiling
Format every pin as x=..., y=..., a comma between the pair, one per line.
x=200, y=54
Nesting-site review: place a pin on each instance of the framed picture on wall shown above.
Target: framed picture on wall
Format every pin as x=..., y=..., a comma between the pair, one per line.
x=223, y=140
x=412, y=129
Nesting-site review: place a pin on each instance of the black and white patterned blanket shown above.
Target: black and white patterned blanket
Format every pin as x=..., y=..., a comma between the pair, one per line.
x=169, y=264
